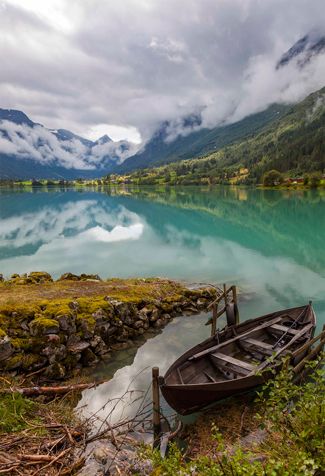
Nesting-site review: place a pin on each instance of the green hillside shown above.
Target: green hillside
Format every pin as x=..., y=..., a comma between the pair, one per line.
x=159, y=152
x=295, y=142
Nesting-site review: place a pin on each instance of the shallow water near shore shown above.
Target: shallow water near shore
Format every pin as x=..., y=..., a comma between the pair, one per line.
x=269, y=243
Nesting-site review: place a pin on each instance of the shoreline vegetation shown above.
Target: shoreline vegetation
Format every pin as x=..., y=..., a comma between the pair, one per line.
x=182, y=176
x=78, y=321
x=278, y=431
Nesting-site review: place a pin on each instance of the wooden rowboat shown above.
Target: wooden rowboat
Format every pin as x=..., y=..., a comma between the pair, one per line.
x=225, y=364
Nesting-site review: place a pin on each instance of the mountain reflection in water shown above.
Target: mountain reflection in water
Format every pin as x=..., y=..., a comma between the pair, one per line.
x=267, y=242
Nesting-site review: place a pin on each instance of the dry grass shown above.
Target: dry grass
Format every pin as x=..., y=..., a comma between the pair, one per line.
x=117, y=288
x=234, y=419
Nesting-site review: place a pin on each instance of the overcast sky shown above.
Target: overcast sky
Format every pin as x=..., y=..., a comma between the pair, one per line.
x=122, y=67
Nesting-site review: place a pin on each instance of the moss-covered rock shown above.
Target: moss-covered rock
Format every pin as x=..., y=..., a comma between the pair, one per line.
x=90, y=277
x=55, y=354
x=86, y=326
x=33, y=362
x=166, y=307
x=42, y=326
x=70, y=361
x=69, y=277
x=88, y=358
x=41, y=277
x=12, y=363
x=6, y=347
x=55, y=371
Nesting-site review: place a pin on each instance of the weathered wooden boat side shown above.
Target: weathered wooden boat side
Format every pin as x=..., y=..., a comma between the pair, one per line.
x=224, y=365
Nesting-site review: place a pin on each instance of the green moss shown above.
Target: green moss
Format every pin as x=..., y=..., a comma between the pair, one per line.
x=166, y=307
x=89, y=306
x=40, y=324
x=2, y=333
x=12, y=363
x=151, y=307
x=30, y=360
x=191, y=293
x=90, y=321
x=23, y=344
x=70, y=361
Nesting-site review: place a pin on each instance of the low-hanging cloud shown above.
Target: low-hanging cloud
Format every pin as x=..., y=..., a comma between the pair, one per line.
x=42, y=145
x=139, y=64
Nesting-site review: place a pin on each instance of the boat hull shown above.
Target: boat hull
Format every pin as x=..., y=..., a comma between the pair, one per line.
x=187, y=398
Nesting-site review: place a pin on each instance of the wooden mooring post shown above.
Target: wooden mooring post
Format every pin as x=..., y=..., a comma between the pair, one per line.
x=155, y=402
x=216, y=314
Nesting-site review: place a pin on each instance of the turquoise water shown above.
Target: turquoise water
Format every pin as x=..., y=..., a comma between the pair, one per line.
x=269, y=243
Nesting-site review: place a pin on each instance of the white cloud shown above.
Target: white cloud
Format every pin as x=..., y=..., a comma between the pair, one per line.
x=42, y=145
x=134, y=64
x=119, y=233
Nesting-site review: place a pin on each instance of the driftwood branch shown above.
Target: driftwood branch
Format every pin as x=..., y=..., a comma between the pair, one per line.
x=50, y=391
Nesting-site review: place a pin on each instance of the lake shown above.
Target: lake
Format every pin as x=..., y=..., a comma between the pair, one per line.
x=270, y=243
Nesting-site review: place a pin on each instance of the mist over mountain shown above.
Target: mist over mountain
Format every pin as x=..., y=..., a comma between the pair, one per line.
x=194, y=135
x=29, y=150
x=161, y=149
x=304, y=50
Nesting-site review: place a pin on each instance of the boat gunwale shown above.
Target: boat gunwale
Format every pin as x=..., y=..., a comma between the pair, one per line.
x=190, y=352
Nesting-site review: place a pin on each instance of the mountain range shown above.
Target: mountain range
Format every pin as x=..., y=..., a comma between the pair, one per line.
x=29, y=150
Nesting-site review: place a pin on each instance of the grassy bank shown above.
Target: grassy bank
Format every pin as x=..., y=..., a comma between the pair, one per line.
x=278, y=432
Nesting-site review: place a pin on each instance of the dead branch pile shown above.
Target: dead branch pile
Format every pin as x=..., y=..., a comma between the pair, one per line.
x=51, y=450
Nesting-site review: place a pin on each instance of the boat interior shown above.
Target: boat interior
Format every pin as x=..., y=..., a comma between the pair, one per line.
x=241, y=355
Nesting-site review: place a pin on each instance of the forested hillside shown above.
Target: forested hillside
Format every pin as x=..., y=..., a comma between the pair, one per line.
x=295, y=142
x=159, y=151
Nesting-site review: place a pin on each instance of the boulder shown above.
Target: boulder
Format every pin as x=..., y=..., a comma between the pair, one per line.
x=71, y=360
x=40, y=277
x=40, y=327
x=33, y=362
x=138, y=324
x=78, y=347
x=55, y=353
x=69, y=277
x=88, y=358
x=95, y=341
x=90, y=277
x=126, y=312
x=101, y=348
x=6, y=347
x=87, y=329
x=122, y=334
x=100, y=317
x=55, y=371
x=160, y=322
x=154, y=315
x=201, y=302
x=12, y=363
x=67, y=323
x=73, y=339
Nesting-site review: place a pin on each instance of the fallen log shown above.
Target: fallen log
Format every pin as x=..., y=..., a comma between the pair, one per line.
x=50, y=391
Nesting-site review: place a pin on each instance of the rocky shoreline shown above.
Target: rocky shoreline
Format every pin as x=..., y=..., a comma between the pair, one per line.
x=63, y=334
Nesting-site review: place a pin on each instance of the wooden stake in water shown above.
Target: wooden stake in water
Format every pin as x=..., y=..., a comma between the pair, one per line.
x=155, y=399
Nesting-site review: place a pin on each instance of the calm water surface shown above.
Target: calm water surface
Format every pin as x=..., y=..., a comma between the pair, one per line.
x=269, y=243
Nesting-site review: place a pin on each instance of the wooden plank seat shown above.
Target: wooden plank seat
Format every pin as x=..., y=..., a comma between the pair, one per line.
x=231, y=364
x=257, y=343
x=278, y=327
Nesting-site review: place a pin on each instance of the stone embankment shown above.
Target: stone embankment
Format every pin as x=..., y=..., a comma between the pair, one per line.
x=63, y=334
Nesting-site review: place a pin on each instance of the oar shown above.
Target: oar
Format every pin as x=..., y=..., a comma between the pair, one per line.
x=280, y=351
x=292, y=325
